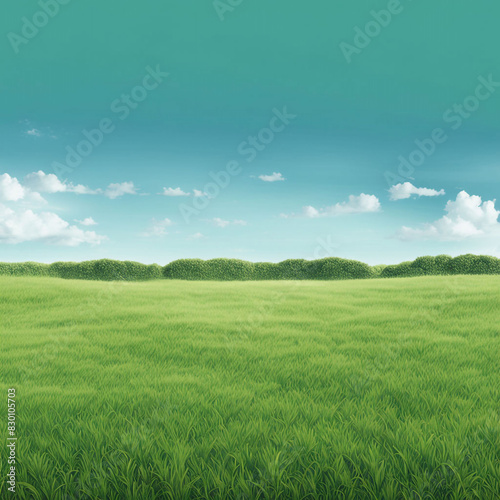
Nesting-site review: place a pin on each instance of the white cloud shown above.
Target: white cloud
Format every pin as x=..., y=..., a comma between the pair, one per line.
x=310, y=212
x=88, y=221
x=119, y=189
x=34, y=132
x=220, y=222
x=10, y=188
x=217, y=221
x=197, y=193
x=44, y=183
x=196, y=236
x=81, y=189
x=179, y=192
x=34, y=198
x=275, y=176
x=467, y=216
x=50, y=183
x=174, y=192
x=405, y=190
x=158, y=228
x=356, y=205
x=47, y=227
x=39, y=182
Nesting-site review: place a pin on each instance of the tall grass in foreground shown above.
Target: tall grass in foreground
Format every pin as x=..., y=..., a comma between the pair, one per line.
x=379, y=389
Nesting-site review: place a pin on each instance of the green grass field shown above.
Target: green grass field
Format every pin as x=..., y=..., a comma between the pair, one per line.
x=377, y=389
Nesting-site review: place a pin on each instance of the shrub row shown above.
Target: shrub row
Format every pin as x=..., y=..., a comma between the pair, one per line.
x=443, y=265
x=332, y=268
x=293, y=269
x=103, y=270
x=24, y=269
x=106, y=270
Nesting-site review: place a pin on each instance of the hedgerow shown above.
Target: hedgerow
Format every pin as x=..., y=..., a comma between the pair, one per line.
x=377, y=270
x=475, y=264
x=331, y=268
x=106, y=270
x=265, y=271
x=185, y=269
x=24, y=269
x=444, y=265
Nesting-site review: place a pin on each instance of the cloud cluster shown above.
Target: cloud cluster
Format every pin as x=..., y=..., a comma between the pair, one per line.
x=87, y=222
x=218, y=222
x=466, y=217
x=196, y=236
x=274, y=177
x=116, y=190
x=11, y=189
x=179, y=192
x=407, y=189
x=41, y=182
x=158, y=228
x=17, y=226
x=363, y=203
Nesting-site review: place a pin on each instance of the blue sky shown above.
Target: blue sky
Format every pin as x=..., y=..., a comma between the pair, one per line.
x=314, y=137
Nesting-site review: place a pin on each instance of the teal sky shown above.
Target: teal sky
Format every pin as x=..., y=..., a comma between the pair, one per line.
x=226, y=81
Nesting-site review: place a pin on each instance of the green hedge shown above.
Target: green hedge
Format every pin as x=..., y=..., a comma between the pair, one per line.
x=444, y=265
x=215, y=269
x=24, y=269
x=331, y=268
x=292, y=269
x=105, y=270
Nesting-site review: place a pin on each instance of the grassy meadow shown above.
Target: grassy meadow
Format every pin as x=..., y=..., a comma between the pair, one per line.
x=376, y=389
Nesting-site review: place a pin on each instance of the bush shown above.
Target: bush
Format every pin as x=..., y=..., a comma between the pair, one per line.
x=334, y=268
x=484, y=264
x=210, y=270
x=331, y=268
x=400, y=270
x=475, y=264
x=113, y=270
x=292, y=269
x=265, y=271
x=24, y=269
x=377, y=270
x=106, y=270
x=443, y=265
x=228, y=270
x=424, y=266
x=185, y=269
x=70, y=270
